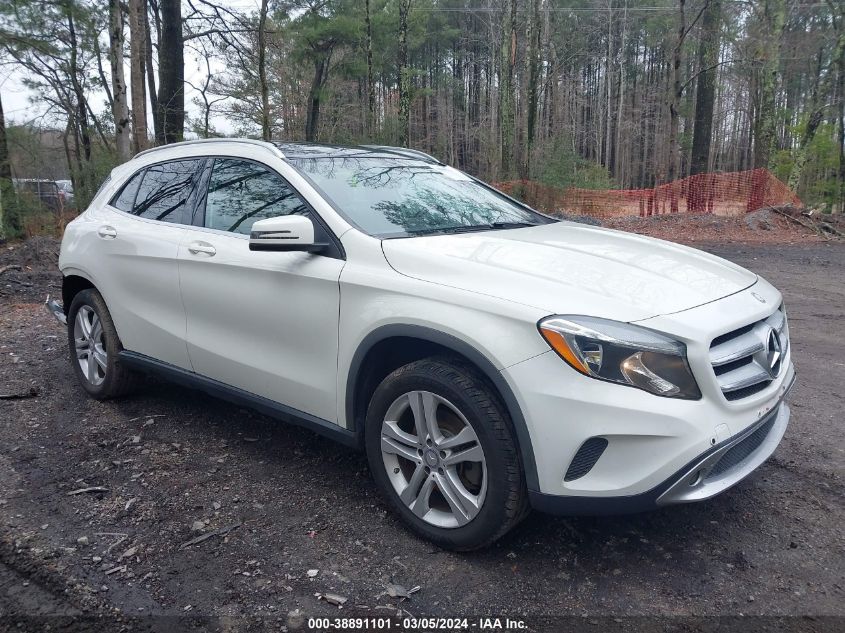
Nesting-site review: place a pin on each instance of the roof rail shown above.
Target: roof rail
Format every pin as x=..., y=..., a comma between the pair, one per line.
x=247, y=141
x=405, y=151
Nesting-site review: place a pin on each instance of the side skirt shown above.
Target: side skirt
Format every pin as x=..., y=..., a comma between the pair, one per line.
x=223, y=391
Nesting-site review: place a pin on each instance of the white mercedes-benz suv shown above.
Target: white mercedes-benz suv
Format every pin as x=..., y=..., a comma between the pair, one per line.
x=488, y=358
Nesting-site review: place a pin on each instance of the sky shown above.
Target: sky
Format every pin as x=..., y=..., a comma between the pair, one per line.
x=20, y=105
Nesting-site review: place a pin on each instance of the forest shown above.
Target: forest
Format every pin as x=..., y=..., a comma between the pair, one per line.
x=600, y=94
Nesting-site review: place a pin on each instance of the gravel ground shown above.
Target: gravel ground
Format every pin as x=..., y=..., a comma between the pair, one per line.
x=765, y=226
x=280, y=502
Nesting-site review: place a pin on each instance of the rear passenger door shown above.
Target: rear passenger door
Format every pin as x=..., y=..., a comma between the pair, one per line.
x=265, y=322
x=139, y=274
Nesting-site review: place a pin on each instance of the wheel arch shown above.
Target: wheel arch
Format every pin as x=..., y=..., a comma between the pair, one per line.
x=391, y=346
x=72, y=285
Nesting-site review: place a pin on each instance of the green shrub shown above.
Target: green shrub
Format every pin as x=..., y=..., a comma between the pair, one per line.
x=560, y=166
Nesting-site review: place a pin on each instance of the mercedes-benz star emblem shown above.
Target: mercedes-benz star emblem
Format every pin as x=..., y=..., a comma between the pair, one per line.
x=773, y=353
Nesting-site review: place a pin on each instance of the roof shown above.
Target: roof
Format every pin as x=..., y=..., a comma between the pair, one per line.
x=211, y=141
x=294, y=150
x=322, y=150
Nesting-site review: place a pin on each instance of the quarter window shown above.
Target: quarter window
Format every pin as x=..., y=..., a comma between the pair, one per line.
x=241, y=192
x=126, y=198
x=165, y=191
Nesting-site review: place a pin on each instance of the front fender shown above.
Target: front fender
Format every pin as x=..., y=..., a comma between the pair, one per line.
x=477, y=358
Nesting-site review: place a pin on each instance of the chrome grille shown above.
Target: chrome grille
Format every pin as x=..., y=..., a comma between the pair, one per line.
x=746, y=360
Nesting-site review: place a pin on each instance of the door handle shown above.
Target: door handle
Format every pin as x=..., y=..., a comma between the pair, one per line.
x=107, y=232
x=201, y=247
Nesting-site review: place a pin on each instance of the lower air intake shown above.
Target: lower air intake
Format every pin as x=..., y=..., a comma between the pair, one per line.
x=739, y=453
x=585, y=458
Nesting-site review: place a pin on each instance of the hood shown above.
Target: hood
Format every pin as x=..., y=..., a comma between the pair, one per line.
x=568, y=268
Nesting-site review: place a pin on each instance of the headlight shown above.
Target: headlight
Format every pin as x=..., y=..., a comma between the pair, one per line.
x=622, y=353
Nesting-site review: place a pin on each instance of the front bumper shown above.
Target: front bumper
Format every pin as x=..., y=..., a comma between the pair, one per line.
x=604, y=448
x=708, y=475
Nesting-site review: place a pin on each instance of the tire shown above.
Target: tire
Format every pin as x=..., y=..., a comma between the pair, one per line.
x=462, y=499
x=109, y=378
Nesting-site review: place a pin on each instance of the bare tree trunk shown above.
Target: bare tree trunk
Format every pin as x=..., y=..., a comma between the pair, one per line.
x=765, y=126
x=618, y=163
x=120, y=107
x=171, y=74
x=321, y=73
x=266, y=133
x=148, y=61
x=74, y=159
x=137, y=40
x=533, y=81
x=608, y=81
x=404, y=75
x=8, y=205
x=705, y=92
x=506, y=114
x=675, y=93
x=841, y=125
x=371, y=86
x=705, y=95
x=82, y=127
x=98, y=55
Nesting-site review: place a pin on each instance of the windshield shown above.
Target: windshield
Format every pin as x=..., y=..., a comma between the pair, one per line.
x=394, y=197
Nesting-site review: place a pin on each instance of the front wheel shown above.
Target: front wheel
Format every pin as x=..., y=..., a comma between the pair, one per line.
x=441, y=448
x=94, y=347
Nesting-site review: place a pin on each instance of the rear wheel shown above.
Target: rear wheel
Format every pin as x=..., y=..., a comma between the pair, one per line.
x=442, y=450
x=94, y=347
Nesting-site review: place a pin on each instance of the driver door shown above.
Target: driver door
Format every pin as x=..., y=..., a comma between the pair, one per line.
x=265, y=322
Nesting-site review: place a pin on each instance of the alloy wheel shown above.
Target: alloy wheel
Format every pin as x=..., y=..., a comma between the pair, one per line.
x=434, y=459
x=89, y=345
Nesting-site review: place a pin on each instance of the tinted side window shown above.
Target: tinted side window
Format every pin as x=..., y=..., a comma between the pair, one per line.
x=126, y=197
x=241, y=192
x=165, y=191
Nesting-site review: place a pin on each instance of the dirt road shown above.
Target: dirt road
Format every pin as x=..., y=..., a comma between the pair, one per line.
x=177, y=465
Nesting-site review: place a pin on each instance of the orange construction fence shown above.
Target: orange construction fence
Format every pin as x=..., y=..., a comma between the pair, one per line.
x=721, y=194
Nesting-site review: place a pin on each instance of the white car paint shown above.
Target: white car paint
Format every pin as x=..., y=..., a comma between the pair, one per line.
x=264, y=322
x=652, y=437
x=133, y=261
x=287, y=326
x=559, y=268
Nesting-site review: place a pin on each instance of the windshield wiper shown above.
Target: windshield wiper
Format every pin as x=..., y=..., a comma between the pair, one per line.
x=449, y=230
x=490, y=226
x=511, y=225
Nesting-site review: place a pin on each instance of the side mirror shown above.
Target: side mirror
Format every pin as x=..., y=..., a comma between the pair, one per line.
x=284, y=233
